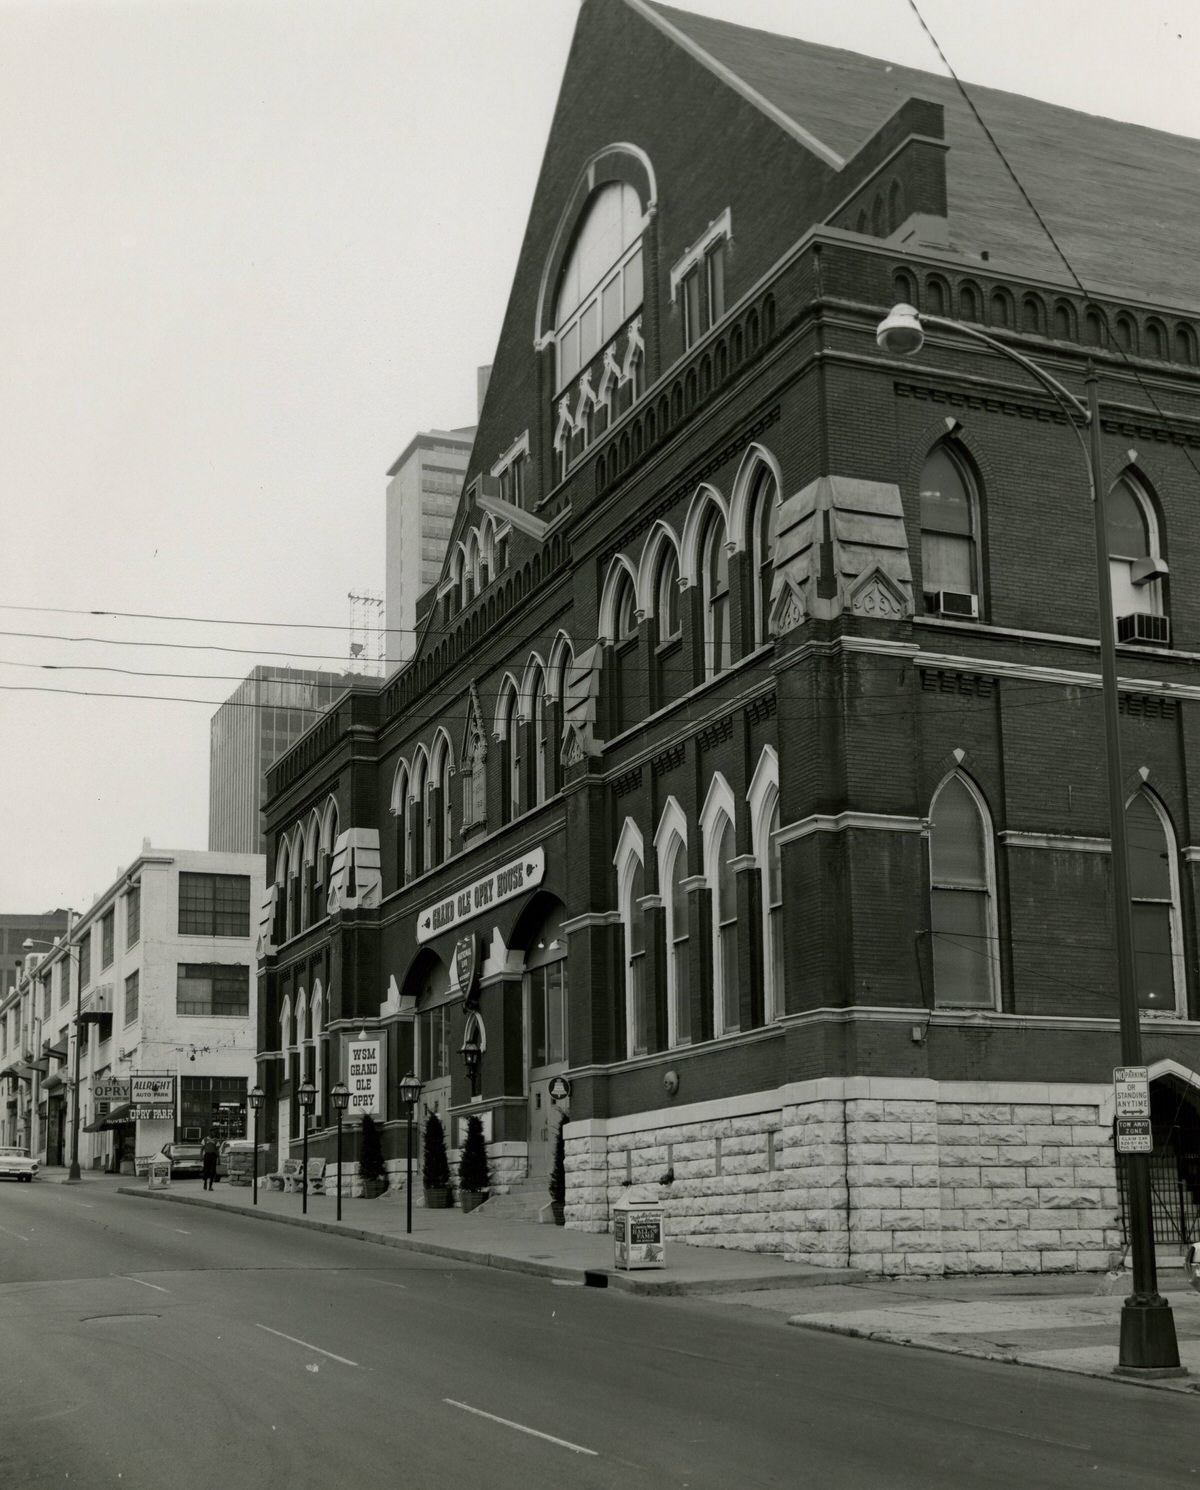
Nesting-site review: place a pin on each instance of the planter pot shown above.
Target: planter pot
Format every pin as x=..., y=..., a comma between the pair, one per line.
x=469, y=1199
x=373, y=1189
x=437, y=1198
x=558, y=1209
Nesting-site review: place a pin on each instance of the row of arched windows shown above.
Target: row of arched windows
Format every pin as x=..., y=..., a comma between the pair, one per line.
x=528, y=726
x=963, y=901
x=720, y=1008
x=302, y=864
x=474, y=562
x=302, y=1047
x=696, y=560
x=951, y=517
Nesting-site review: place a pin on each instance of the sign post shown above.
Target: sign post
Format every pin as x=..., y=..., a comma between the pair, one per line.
x=1131, y=1088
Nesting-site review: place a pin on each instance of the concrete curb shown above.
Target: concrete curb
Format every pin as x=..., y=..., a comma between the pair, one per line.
x=647, y=1285
x=926, y=1342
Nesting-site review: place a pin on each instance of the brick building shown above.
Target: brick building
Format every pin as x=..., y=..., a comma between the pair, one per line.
x=749, y=770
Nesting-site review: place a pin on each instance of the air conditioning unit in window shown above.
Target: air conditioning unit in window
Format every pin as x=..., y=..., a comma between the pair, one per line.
x=954, y=603
x=1140, y=627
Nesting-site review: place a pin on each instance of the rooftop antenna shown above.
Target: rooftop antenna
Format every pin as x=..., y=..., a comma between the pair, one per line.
x=366, y=633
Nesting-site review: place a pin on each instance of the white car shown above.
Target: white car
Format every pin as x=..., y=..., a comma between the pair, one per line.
x=17, y=1164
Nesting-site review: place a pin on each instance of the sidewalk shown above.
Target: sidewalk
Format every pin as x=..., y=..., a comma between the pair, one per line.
x=1066, y=1322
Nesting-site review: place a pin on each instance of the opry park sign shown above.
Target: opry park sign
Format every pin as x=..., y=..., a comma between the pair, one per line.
x=475, y=899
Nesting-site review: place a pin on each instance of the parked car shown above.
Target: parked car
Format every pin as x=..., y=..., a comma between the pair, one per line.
x=17, y=1164
x=185, y=1159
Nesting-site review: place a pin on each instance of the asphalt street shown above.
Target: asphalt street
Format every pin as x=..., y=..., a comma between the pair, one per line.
x=160, y=1348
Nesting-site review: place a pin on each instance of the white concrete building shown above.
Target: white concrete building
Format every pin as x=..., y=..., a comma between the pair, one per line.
x=161, y=969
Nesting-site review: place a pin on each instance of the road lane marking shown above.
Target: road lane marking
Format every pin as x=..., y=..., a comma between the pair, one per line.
x=383, y=1282
x=142, y=1281
x=521, y=1428
x=306, y=1345
x=17, y=1234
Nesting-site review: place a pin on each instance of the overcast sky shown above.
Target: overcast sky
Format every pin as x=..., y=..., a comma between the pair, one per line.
x=249, y=248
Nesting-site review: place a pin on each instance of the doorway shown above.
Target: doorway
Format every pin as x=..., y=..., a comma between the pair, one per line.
x=546, y=1041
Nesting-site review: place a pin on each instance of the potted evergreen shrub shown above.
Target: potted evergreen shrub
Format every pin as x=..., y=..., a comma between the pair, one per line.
x=473, y=1179
x=371, y=1167
x=435, y=1166
x=558, y=1178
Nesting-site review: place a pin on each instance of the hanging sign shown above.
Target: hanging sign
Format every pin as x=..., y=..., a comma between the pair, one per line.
x=466, y=967
x=473, y=900
x=153, y=1091
x=364, y=1077
x=152, y=1115
x=109, y=1089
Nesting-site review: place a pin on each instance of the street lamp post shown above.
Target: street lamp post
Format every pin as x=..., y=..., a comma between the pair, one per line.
x=73, y=1173
x=341, y=1100
x=257, y=1098
x=410, y=1090
x=1148, y=1342
x=306, y=1096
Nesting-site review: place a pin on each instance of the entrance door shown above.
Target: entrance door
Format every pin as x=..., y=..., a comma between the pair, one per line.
x=546, y=1028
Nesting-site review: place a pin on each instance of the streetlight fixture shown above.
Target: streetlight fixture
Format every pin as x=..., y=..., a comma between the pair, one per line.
x=410, y=1090
x=306, y=1096
x=471, y=1051
x=1148, y=1342
x=340, y=1096
x=257, y=1098
x=74, y=1175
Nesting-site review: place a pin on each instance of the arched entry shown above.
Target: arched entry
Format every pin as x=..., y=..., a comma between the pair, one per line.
x=1174, y=1162
x=544, y=990
x=428, y=982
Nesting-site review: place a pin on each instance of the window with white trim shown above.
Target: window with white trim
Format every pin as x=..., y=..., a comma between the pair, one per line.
x=962, y=903
x=722, y=883
x=698, y=281
x=1154, y=892
x=1135, y=563
x=718, y=644
x=675, y=905
x=763, y=502
x=949, y=537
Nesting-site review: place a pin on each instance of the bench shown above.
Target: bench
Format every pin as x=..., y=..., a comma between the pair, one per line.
x=283, y=1178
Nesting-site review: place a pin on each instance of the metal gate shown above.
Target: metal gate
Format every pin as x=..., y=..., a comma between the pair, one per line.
x=1174, y=1196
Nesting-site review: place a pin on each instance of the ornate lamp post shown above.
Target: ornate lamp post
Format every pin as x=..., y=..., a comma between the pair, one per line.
x=472, y=1053
x=306, y=1096
x=341, y=1100
x=410, y=1090
x=1148, y=1340
x=257, y=1098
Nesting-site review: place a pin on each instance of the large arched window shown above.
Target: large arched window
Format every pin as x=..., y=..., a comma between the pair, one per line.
x=399, y=807
x=949, y=537
x=763, y=502
x=510, y=739
x=601, y=284
x=763, y=800
x=714, y=561
x=329, y=837
x=1135, y=563
x=419, y=814
x=666, y=599
x=630, y=892
x=962, y=901
x=720, y=851
x=1154, y=891
x=441, y=819
x=541, y=742
x=624, y=652
x=671, y=844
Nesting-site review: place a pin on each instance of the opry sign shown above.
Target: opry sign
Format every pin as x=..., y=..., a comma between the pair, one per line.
x=475, y=899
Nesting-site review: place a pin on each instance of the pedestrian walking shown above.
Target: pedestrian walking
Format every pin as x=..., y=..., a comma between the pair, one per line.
x=208, y=1158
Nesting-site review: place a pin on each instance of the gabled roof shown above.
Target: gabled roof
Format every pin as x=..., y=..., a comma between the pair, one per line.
x=1122, y=200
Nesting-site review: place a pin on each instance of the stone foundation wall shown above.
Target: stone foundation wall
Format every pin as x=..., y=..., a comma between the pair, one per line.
x=899, y=1181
